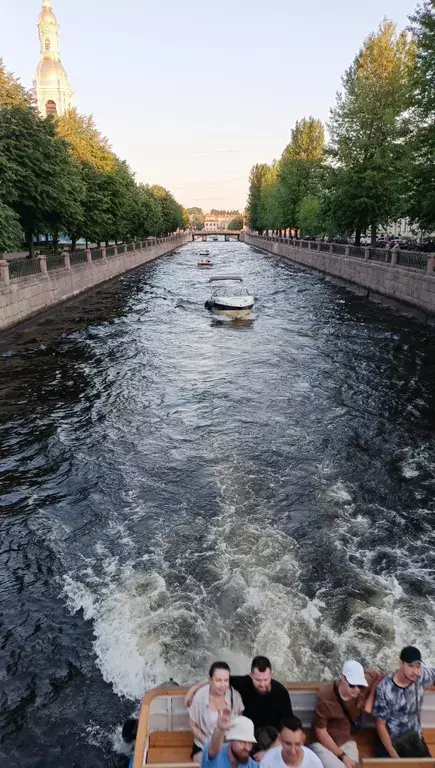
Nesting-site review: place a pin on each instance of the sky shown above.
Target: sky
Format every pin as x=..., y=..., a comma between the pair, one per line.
x=193, y=93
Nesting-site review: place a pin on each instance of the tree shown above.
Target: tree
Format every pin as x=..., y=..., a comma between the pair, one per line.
x=422, y=177
x=11, y=233
x=299, y=170
x=60, y=176
x=96, y=161
x=146, y=213
x=307, y=141
x=259, y=178
x=34, y=170
x=185, y=218
x=64, y=213
x=268, y=207
x=12, y=93
x=236, y=223
x=310, y=215
x=196, y=218
x=367, y=131
x=216, y=212
x=172, y=217
x=87, y=144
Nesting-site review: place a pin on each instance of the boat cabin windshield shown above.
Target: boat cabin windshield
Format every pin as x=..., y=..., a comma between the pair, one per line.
x=236, y=291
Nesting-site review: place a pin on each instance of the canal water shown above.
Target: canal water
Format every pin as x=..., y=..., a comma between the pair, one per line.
x=178, y=487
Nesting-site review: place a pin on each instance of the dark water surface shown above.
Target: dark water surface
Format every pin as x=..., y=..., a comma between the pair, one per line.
x=176, y=488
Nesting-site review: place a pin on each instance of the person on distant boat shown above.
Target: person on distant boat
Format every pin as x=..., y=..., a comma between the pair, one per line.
x=207, y=702
x=291, y=752
x=240, y=736
x=398, y=707
x=266, y=701
x=338, y=716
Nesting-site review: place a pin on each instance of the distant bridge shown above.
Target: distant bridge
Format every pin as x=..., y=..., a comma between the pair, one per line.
x=228, y=234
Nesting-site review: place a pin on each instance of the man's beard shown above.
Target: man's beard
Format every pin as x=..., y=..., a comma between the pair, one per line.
x=242, y=759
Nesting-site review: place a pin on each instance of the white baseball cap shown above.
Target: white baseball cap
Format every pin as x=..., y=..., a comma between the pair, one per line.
x=242, y=729
x=354, y=673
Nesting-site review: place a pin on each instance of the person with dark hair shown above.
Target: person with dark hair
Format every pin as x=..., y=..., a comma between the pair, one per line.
x=291, y=753
x=265, y=700
x=206, y=704
x=129, y=730
x=398, y=707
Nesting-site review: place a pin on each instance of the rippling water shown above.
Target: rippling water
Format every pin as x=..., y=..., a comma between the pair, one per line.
x=177, y=487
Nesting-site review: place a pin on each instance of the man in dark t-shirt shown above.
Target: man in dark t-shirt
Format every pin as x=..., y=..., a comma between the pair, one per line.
x=266, y=701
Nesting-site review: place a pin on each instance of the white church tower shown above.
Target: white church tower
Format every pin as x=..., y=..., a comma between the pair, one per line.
x=53, y=91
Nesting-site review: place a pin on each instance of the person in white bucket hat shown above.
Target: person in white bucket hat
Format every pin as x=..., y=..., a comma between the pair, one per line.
x=240, y=737
x=338, y=717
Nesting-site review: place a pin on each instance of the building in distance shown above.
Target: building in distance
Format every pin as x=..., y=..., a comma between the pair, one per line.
x=53, y=92
x=218, y=222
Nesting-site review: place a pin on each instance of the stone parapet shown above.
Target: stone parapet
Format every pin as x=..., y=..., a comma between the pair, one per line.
x=22, y=297
x=408, y=286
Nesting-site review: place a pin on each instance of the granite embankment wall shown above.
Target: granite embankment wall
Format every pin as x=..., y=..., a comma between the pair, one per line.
x=410, y=285
x=55, y=279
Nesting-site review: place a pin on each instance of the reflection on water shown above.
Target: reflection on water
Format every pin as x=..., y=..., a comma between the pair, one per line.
x=172, y=492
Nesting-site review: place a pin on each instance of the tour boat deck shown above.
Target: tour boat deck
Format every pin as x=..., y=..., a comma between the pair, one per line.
x=164, y=739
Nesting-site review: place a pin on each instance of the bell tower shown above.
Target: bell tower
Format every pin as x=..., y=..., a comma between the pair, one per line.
x=53, y=91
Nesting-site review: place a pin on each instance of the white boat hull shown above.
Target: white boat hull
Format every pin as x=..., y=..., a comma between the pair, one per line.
x=230, y=302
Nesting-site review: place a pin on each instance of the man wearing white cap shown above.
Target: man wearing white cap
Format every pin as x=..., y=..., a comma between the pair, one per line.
x=339, y=709
x=240, y=738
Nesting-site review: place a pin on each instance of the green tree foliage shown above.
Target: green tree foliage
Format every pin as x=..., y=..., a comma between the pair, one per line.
x=367, y=129
x=146, y=214
x=276, y=191
x=236, y=223
x=185, y=218
x=259, y=181
x=310, y=216
x=12, y=93
x=216, y=212
x=172, y=217
x=11, y=233
x=60, y=176
x=38, y=179
x=299, y=171
x=87, y=144
x=65, y=212
x=196, y=218
x=422, y=180
x=307, y=141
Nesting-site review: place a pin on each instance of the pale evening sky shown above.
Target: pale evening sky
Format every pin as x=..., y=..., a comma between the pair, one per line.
x=190, y=93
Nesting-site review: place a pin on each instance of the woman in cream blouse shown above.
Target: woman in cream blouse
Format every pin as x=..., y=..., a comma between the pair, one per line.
x=208, y=702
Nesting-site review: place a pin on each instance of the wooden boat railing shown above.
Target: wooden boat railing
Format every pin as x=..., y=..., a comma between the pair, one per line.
x=144, y=730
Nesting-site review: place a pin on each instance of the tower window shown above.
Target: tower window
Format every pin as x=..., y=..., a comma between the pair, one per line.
x=47, y=45
x=50, y=108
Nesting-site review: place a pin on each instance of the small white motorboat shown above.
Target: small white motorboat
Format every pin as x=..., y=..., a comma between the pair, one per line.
x=229, y=293
x=205, y=263
x=206, y=252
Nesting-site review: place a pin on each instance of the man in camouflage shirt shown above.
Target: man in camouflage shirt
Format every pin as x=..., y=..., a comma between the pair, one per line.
x=399, y=698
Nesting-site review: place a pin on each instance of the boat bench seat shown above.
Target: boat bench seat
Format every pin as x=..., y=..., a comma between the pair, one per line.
x=176, y=746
